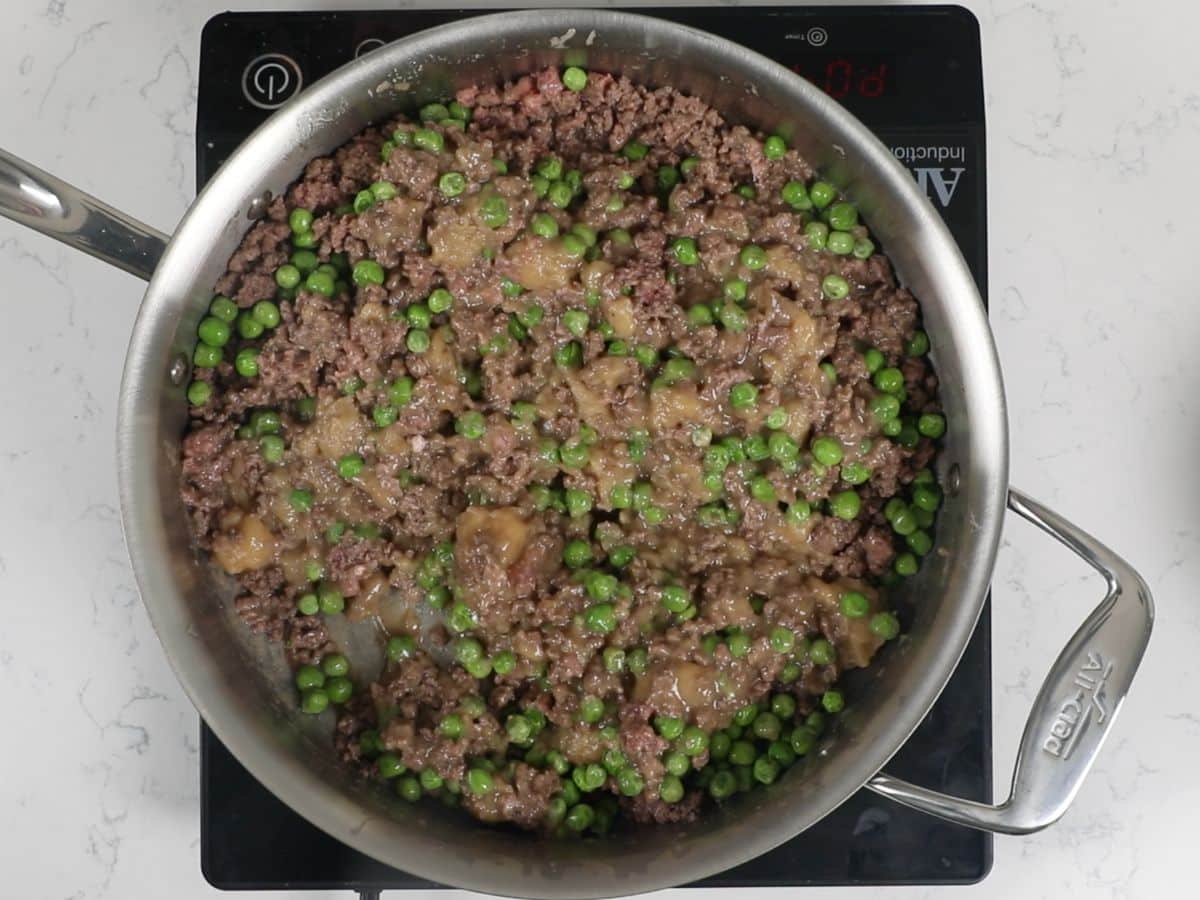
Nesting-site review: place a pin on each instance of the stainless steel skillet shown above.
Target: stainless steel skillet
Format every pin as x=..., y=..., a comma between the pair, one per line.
x=241, y=686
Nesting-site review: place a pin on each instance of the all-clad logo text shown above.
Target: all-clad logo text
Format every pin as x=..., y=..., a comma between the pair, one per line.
x=1080, y=709
x=939, y=182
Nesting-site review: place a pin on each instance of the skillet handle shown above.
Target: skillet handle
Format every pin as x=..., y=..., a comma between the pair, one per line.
x=1076, y=705
x=49, y=205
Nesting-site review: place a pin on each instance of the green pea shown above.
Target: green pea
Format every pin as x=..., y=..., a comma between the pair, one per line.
x=331, y=599
x=685, y=251
x=417, y=340
x=576, y=321
x=783, y=640
x=601, y=618
x=774, y=147
x=863, y=248
x=885, y=408
x=314, y=702
x=213, y=331
x=544, y=225
x=199, y=393
x=817, y=234
x=620, y=557
x=762, y=490
x=846, y=504
x=308, y=677
x=591, y=709
x=783, y=706
x=790, y=673
x=802, y=741
x=743, y=395
x=409, y=789
x=765, y=770
x=795, y=195
x=600, y=586
x=733, y=318
x=339, y=689
x=767, y=726
x=885, y=625
x=674, y=598
x=350, y=465
x=224, y=309
x=319, y=282
x=249, y=327
x=738, y=644
x=531, y=315
x=308, y=605
x=693, y=741
x=305, y=240
x=574, y=79
x=429, y=140
x=367, y=271
x=470, y=425
x=589, y=237
x=919, y=542
x=822, y=194
x=287, y=276
x=741, y=753
x=400, y=647
x=630, y=783
x=451, y=184
x=833, y=701
x=620, y=237
x=635, y=150
x=479, y=781
x=579, y=503
x=781, y=752
x=931, y=425
x=927, y=496
x=827, y=451
x=433, y=112
x=918, y=344
x=305, y=260
x=363, y=201
x=246, y=363
x=272, y=448
x=206, y=356
x=667, y=177
x=301, y=499
x=668, y=727
x=460, y=618
x=822, y=652
x=577, y=554
x=723, y=785
x=559, y=194
x=568, y=355
x=753, y=257
x=614, y=660
x=835, y=287
x=843, y=216
x=840, y=243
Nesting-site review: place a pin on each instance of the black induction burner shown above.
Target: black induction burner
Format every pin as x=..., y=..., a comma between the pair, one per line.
x=914, y=75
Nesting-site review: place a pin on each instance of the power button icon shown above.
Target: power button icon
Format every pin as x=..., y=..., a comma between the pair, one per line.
x=271, y=80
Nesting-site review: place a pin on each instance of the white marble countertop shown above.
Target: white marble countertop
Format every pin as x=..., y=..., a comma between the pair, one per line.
x=1093, y=128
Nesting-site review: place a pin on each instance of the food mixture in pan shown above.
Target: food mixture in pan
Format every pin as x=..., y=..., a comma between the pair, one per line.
x=606, y=413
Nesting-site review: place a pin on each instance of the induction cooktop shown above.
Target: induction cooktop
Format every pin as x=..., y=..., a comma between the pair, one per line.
x=914, y=76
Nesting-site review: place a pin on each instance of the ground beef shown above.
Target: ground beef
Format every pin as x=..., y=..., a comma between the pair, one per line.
x=619, y=448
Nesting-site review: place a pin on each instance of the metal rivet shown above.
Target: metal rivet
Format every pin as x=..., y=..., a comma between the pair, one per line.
x=953, y=480
x=178, y=372
x=258, y=206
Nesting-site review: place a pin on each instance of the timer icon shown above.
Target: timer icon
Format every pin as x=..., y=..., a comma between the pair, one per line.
x=816, y=37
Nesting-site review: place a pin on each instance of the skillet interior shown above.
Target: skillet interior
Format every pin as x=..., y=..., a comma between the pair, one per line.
x=241, y=685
